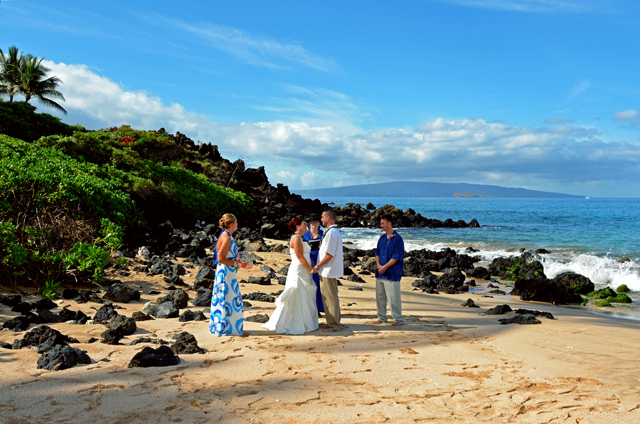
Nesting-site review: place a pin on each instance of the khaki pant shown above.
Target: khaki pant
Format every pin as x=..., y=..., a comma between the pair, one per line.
x=329, y=290
x=388, y=290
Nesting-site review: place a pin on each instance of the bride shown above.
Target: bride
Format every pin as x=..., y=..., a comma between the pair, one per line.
x=296, y=311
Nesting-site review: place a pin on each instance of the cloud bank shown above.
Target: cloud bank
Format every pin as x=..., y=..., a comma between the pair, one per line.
x=307, y=155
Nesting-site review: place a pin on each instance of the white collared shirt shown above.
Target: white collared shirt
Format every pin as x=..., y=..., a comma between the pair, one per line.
x=331, y=244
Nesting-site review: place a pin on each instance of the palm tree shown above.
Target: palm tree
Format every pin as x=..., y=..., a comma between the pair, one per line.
x=33, y=82
x=10, y=72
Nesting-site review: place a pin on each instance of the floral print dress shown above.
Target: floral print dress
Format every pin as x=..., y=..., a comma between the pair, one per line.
x=226, y=301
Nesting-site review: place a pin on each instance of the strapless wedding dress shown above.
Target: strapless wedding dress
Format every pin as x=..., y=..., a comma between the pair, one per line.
x=296, y=311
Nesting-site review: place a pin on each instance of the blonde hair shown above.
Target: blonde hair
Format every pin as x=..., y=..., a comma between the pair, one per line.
x=226, y=220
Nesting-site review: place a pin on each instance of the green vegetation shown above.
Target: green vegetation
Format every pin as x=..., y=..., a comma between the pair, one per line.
x=68, y=201
x=608, y=296
x=19, y=120
x=512, y=271
x=622, y=288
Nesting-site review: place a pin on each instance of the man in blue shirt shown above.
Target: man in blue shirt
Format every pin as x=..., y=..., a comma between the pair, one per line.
x=389, y=260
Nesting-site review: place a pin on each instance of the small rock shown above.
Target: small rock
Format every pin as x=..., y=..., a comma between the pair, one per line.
x=408, y=351
x=189, y=315
x=6, y=345
x=520, y=319
x=62, y=357
x=499, y=310
x=141, y=316
x=355, y=288
x=180, y=298
x=21, y=322
x=470, y=304
x=203, y=297
x=10, y=299
x=121, y=293
x=186, y=343
x=166, y=310
x=105, y=313
x=246, y=304
x=122, y=324
x=262, y=281
x=149, y=357
x=262, y=318
x=111, y=337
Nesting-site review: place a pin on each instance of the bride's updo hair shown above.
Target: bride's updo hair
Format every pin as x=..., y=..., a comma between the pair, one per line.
x=294, y=223
x=226, y=220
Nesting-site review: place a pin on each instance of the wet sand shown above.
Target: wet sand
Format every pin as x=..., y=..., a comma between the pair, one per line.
x=447, y=364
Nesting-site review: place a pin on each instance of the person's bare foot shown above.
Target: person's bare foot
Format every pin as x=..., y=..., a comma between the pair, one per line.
x=375, y=322
x=328, y=330
x=397, y=324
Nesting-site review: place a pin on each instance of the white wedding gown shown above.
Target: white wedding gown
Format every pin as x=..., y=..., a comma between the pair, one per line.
x=296, y=311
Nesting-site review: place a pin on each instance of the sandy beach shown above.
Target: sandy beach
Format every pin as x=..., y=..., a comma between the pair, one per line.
x=447, y=364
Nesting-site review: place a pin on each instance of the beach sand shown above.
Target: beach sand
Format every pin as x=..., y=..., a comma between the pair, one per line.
x=447, y=364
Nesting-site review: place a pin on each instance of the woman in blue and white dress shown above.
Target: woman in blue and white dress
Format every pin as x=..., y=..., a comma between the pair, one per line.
x=226, y=301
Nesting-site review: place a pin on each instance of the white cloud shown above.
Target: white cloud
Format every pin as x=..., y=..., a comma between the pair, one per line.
x=552, y=121
x=466, y=150
x=626, y=116
x=533, y=6
x=254, y=49
x=309, y=179
x=579, y=88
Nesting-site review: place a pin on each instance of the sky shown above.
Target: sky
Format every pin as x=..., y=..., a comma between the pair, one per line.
x=536, y=94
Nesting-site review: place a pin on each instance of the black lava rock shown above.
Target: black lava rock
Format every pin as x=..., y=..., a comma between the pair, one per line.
x=141, y=316
x=203, y=297
x=122, y=324
x=62, y=357
x=21, y=322
x=262, y=318
x=259, y=296
x=478, y=272
x=10, y=299
x=186, y=343
x=111, y=337
x=547, y=315
x=166, y=310
x=43, y=334
x=121, y=293
x=470, y=304
x=520, y=319
x=105, y=313
x=150, y=357
x=189, y=315
x=499, y=310
x=180, y=298
x=262, y=281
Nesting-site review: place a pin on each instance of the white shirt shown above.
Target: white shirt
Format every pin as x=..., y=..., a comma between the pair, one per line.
x=331, y=244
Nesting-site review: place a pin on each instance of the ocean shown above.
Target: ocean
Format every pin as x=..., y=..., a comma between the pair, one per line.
x=597, y=238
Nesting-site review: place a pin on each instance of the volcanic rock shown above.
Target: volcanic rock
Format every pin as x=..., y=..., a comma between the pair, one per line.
x=61, y=357
x=150, y=357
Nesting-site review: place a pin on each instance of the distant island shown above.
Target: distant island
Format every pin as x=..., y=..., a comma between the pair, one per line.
x=427, y=189
x=469, y=195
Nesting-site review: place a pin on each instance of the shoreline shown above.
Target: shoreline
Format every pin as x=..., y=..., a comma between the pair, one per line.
x=447, y=364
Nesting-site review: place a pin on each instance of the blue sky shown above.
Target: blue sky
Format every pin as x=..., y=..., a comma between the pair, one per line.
x=538, y=94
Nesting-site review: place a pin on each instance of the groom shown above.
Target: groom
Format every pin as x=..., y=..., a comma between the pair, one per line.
x=330, y=268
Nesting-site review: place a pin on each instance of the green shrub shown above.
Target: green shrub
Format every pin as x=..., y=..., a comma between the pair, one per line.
x=622, y=288
x=88, y=259
x=19, y=120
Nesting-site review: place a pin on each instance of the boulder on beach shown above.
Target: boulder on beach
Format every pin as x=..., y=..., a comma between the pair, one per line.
x=62, y=357
x=163, y=356
x=121, y=293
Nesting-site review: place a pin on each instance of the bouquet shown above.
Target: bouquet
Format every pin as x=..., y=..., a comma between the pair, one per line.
x=245, y=260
